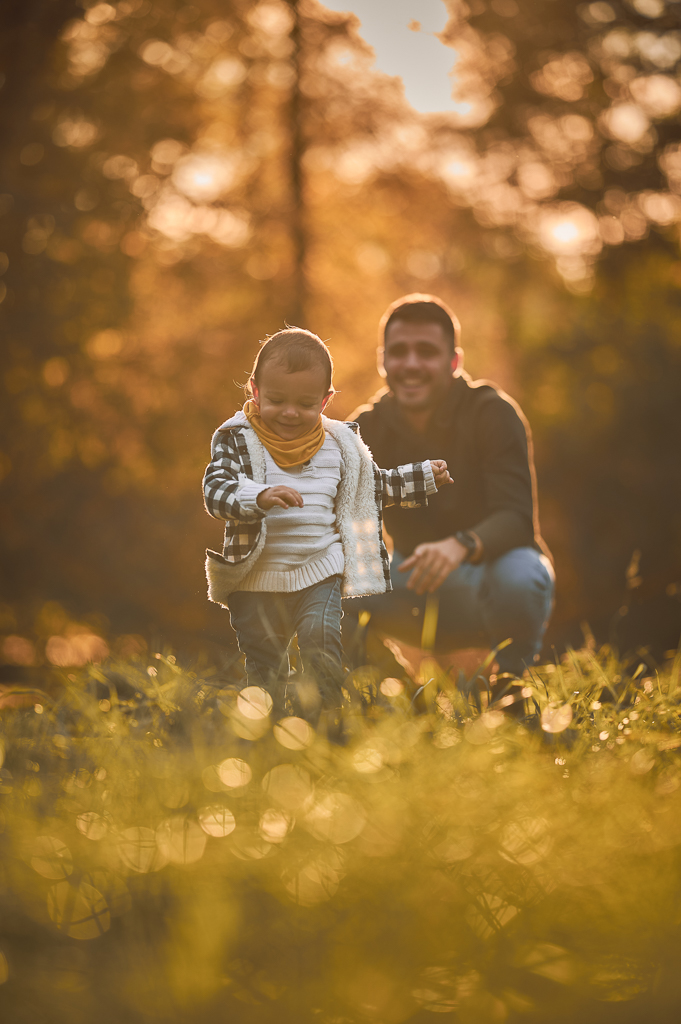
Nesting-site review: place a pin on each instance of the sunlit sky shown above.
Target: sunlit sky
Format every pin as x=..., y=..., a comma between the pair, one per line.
x=418, y=57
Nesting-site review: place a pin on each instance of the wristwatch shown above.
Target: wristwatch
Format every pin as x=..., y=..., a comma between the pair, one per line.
x=468, y=541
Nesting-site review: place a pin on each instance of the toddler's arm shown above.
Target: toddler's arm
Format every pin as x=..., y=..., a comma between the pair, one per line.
x=227, y=492
x=409, y=486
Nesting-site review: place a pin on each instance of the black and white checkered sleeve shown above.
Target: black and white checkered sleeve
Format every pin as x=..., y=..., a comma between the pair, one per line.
x=407, y=486
x=221, y=483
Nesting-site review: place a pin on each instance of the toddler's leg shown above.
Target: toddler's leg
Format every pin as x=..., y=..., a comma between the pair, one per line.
x=318, y=616
x=264, y=626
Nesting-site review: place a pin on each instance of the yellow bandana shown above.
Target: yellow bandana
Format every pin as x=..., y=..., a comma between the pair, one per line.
x=286, y=454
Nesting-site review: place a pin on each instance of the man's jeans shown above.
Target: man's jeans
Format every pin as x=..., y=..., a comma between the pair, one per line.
x=266, y=623
x=478, y=605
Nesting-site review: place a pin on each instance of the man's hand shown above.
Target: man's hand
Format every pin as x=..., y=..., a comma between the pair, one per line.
x=432, y=564
x=283, y=497
x=440, y=472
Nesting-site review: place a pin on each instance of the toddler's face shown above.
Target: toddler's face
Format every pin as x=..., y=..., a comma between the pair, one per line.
x=290, y=403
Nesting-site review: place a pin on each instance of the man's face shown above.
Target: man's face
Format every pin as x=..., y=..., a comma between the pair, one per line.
x=418, y=364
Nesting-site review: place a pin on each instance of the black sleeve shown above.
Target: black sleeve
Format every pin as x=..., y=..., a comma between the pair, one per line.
x=507, y=479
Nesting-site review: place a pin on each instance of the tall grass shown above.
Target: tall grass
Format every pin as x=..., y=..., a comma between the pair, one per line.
x=170, y=854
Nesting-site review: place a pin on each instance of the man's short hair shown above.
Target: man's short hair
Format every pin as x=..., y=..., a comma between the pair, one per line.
x=419, y=308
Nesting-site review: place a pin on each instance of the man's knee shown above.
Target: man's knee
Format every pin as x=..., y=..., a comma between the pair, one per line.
x=518, y=586
x=520, y=571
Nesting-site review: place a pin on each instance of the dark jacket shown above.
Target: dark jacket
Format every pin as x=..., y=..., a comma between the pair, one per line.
x=485, y=440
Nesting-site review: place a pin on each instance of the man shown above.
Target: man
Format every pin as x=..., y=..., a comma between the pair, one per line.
x=477, y=545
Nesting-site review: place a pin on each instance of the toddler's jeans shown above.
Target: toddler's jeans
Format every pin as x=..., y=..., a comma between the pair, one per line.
x=265, y=624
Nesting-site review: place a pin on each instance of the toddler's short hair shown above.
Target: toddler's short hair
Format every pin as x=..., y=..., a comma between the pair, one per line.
x=295, y=349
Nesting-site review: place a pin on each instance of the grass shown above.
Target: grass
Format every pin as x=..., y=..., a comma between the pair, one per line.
x=170, y=854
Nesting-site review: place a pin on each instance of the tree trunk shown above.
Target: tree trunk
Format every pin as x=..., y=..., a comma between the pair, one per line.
x=296, y=307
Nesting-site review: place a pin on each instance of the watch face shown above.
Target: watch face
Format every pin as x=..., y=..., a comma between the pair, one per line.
x=467, y=541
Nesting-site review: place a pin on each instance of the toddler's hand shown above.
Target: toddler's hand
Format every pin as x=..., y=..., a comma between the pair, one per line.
x=283, y=497
x=440, y=472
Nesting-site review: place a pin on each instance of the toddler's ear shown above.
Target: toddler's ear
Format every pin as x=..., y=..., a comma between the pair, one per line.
x=326, y=400
x=254, y=392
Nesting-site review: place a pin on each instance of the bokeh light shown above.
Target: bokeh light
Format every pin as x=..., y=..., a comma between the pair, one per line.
x=294, y=733
x=254, y=702
x=234, y=773
x=216, y=820
x=79, y=911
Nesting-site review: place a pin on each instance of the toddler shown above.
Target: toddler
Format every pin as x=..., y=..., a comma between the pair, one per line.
x=302, y=499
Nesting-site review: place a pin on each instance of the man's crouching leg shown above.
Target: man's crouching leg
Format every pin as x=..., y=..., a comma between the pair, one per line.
x=516, y=598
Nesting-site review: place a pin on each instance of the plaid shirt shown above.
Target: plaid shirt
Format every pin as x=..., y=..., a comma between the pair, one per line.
x=231, y=466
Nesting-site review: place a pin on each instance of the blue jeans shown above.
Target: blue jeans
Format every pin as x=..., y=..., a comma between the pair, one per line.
x=479, y=605
x=265, y=624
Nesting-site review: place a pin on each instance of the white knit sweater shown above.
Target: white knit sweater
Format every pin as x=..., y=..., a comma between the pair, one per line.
x=302, y=545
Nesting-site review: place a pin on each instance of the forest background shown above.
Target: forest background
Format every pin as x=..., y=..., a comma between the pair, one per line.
x=177, y=181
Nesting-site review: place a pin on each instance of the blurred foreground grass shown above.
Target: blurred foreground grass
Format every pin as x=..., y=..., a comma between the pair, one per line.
x=171, y=855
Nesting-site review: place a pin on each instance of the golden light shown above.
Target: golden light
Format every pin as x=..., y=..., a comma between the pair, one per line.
x=254, y=702
x=138, y=850
x=565, y=77
x=482, y=729
x=204, y=177
x=100, y=14
x=77, y=649
x=536, y=180
x=113, y=888
x=105, y=344
x=391, y=688
x=663, y=50
x=318, y=880
x=368, y=759
x=294, y=733
x=211, y=779
x=275, y=825
x=447, y=737
x=181, y=840
x=556, y=719
x=18, y=650
x=247, y=844
x=165, y=154
x=234, y=773
x=216, y=820
x=565, y=232
x=611, y=230
x=458, y=170
x=661, y=207
x=649, y=8
x=641, y=762
x=658, y=95
x=626, y=122
x=51, y=857
x=92, y=825
x=76, y=132
x=569, y=229
x=336, y=818
x=221, y=76
x=79, y=911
